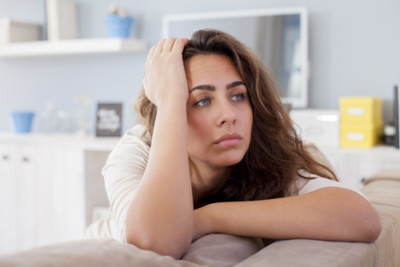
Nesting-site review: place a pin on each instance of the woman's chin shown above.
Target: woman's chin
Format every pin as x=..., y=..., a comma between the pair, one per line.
x=228, y=161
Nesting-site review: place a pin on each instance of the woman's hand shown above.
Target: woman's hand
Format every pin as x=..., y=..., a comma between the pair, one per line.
x=165, y=79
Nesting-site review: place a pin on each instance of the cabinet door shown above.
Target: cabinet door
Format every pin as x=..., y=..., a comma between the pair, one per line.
x=53, y=189
x=8, y=234
x=67, y=194
x=27, y=183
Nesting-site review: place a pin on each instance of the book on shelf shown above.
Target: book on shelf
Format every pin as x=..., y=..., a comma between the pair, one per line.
x=396, y=108
x=61, y=20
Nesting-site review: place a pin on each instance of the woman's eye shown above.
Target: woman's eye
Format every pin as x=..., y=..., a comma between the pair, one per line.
x=238, y=97
x=203, y=102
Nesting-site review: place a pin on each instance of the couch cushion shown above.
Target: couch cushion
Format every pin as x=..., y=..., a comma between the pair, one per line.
x=222, y=250
x=212, y=250
x=91, y=252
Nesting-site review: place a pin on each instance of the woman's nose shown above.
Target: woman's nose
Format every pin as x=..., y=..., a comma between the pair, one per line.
x=226, y=114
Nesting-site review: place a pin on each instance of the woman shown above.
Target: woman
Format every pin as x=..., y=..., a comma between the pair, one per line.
x=219, y=154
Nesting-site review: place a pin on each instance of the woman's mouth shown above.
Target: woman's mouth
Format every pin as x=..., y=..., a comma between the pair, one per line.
x=228, y=139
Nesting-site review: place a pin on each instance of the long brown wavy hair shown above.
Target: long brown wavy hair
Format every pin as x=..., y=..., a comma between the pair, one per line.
x=276, y=153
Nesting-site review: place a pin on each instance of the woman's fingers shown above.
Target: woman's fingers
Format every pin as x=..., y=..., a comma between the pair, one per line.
x=160, y=46
x=168, y=44
x=179, y=44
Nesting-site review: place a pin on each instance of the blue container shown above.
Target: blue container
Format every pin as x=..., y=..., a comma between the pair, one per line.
x=119, y=27
x=22, y=121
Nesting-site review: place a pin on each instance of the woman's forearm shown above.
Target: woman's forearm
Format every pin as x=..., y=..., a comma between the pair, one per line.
x=325, y=214
x=160, y=217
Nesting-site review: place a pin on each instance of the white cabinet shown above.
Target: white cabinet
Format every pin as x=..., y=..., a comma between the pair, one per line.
x=353, y=166
x=42, y=193
x=43, y=189
x=8, y=240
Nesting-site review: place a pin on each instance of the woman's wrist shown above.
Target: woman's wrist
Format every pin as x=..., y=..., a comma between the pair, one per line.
x=213, y=222
x=210, y=220
x=203, y=221
x=172, y=103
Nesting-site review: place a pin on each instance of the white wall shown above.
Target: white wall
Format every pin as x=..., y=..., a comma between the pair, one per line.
x=354, y=50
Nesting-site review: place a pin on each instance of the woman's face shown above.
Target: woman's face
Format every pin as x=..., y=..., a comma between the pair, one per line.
x=219, y=111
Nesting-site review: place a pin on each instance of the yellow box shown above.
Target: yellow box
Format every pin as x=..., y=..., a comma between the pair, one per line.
x=361, y=110
x=360, y=135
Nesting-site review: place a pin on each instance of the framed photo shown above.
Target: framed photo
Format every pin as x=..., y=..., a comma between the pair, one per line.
x=109, y=119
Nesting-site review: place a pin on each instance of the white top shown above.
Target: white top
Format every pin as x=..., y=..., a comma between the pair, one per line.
x=124, y=169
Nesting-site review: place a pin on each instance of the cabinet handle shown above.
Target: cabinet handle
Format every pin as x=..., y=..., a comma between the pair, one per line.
x=5, y=157
x=25, y=159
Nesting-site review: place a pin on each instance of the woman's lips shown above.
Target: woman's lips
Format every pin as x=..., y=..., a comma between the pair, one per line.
x=228, y=139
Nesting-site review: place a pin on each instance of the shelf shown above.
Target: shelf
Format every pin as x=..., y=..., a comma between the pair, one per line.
x=89, y=142
x=72, y=47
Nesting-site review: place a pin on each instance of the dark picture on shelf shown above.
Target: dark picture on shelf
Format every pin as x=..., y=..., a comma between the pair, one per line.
x=109, y=119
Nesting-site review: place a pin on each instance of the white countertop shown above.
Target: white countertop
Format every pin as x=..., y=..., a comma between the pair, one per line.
x=88, y=142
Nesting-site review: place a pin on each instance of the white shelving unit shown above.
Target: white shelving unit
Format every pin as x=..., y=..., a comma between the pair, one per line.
x=72, y=47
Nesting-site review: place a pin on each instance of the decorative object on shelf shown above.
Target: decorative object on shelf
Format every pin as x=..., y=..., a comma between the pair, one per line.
x=389, y=135
x=361, y=123
x=118, y=22
x=61, y=19
x=396, y=108
x=109, y=119
x=47, y=120
x=22, y=121
x=12, y=31
x=84, y=126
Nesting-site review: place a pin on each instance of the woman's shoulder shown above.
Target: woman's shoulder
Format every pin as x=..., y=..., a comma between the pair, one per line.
x=135, y=141
x=138, y=134
x=306, y=182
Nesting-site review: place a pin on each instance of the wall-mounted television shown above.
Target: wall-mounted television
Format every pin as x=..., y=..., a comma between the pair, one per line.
x=278, y=36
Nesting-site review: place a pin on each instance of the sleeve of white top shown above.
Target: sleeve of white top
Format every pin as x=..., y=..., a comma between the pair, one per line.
x=309, y=185
x=122, y=173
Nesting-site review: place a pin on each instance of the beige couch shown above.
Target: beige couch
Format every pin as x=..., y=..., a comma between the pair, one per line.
x=382, y=189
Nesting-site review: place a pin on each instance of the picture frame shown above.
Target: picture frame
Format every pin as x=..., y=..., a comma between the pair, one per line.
x=109, y=119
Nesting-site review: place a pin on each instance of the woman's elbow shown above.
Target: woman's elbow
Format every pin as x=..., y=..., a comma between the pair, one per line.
x=371, y=226
x=159, y=245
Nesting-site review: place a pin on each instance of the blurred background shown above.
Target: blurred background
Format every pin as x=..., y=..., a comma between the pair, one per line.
x=354, y=50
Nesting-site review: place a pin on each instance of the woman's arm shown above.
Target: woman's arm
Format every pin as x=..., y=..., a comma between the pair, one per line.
x=160, y=216
x=326, y=214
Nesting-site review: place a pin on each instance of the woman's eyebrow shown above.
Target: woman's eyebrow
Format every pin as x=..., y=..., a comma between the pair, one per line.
x=203, y=87
x=234, y=84
x=212, y=88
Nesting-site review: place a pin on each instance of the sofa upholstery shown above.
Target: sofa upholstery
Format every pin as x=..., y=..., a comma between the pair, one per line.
x=382, y=189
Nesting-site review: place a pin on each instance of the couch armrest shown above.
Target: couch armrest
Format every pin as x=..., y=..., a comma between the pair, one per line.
x=383, y=190
x=308, y=253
